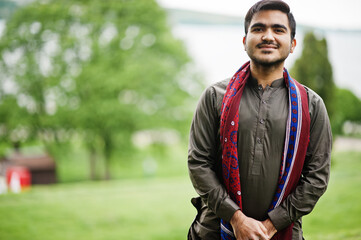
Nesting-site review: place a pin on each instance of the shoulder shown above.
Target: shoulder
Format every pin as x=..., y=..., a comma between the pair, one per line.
x=316, y=105
x=212, y=96
x=314, y=100
x=313, y=97
x=218, y=88
x=215, y=93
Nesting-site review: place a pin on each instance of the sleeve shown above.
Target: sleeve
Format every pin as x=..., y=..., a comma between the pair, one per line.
x=315, y=172
x=202, y=157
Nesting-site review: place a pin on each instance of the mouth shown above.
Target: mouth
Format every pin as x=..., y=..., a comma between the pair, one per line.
x=267, y=46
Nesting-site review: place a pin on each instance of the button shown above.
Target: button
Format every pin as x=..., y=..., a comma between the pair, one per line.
x=259, y=140
x=261, y=121
x=239, y=193
x=232, y=123
x=225, y=139
x=260, y=88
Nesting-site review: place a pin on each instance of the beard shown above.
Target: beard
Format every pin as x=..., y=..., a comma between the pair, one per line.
x=260, y=57
x=266, y=62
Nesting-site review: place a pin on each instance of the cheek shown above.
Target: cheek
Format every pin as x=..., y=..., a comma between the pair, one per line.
x=250, y=41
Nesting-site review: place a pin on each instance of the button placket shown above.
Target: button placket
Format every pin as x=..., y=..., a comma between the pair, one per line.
x=260, y=133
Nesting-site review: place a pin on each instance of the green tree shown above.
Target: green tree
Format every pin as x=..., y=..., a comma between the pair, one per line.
x=14, y=124
x=104, y=69
x=348, y=108
x=314, y=70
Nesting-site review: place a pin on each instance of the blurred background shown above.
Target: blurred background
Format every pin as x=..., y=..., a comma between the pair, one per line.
x=97, y=97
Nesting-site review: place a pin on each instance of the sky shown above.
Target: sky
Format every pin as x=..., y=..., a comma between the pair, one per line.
x=334, y=14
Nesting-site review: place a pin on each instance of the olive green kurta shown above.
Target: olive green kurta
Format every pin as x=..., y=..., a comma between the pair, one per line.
x=262, y=130
x=262, y=127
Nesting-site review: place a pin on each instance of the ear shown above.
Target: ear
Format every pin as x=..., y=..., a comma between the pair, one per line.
x=293, y=45
x=244, y=42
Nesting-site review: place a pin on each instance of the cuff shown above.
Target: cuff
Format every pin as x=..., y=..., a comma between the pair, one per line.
x=227, y=209
x=280, y=218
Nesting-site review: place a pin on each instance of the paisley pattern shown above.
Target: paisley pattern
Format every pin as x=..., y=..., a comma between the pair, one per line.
x=295, y=147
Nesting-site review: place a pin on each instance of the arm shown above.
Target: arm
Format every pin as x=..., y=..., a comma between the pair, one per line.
x=316, y=169
x=202, y=157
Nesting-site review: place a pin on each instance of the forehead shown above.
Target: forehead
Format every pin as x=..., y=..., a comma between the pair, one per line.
x=270, y=17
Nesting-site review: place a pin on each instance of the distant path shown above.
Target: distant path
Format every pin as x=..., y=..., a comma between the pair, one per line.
x=347, y=144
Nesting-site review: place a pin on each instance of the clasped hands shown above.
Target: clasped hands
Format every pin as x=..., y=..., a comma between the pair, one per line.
x=246, y=228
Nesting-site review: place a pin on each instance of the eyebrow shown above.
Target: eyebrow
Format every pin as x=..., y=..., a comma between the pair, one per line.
x=273, y=25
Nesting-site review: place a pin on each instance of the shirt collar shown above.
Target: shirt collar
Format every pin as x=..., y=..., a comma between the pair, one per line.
x=278, y=83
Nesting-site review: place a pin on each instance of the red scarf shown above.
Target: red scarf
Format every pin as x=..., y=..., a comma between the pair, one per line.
x=296, y=142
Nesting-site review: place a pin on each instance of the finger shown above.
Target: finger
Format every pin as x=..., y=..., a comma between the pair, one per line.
x=254, y=237
x=263, y=236
x=263, y=228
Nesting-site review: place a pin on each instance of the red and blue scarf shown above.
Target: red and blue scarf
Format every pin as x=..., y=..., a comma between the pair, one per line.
x=295, y=147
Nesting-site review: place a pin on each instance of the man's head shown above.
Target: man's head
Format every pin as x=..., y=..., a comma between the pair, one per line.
x=269, y=36
x=270, y=5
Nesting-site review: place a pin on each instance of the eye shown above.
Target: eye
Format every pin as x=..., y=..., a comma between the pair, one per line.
x=257, y=29
x=280, y=30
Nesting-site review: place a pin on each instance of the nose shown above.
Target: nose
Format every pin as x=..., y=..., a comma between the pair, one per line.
x=268, y=35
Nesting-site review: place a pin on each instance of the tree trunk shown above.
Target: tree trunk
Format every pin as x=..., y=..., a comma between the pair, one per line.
x=107, y=170
x=92, y=163
x=107, y=154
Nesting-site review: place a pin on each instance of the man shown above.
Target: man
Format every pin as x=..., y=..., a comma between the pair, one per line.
x=260, y=142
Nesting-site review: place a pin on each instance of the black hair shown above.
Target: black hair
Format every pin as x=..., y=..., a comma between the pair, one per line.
x=271, y=5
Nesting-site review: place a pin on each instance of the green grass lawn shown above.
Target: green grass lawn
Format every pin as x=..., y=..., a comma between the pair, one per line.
x=338, y=213
x=158, y=209
x=137, y=209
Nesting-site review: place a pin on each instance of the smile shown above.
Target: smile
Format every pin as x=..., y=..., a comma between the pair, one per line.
x=267, y=46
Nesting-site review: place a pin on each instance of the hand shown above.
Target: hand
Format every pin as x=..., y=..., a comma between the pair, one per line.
x=271, y=230
x=246, y=228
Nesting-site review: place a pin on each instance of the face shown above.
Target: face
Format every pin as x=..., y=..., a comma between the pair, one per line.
x=268, y=41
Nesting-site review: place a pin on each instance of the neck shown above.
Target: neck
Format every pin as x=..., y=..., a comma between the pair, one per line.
x=265, y=75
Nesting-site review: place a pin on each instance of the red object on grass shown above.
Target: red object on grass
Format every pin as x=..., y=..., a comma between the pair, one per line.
x=18, y=178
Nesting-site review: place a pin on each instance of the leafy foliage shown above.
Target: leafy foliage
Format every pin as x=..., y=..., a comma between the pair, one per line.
x=314, y=70
x=101, y=69
x=348, y=108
